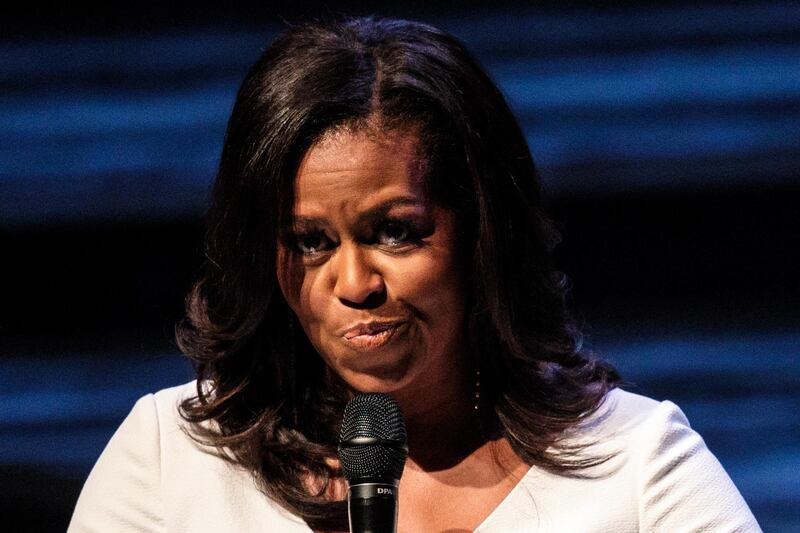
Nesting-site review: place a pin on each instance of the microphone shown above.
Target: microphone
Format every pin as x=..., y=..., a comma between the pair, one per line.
x=372, y=452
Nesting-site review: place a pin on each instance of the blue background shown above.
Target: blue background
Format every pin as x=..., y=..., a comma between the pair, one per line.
x=668, y=137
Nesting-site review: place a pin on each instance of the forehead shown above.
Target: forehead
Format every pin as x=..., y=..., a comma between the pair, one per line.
x=346, y=169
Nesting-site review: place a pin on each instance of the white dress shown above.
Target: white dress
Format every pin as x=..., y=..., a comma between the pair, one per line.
x=152, y=477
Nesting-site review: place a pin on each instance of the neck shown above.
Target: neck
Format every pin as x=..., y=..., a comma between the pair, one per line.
x=441, y=421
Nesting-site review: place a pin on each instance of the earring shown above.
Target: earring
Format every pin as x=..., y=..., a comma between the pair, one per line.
x=477, y=403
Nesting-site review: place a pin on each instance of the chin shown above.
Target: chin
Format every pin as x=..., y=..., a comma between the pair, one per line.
x=383, y=378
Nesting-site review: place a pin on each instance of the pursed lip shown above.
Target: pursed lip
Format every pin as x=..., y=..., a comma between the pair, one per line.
x=370, y=328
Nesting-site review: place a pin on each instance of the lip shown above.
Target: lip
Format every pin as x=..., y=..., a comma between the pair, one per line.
x=373, y=335
x=370, y=328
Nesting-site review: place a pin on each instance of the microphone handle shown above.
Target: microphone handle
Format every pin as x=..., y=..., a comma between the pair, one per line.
x=372, y=507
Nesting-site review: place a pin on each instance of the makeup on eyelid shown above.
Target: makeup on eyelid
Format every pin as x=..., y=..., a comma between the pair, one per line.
x=412, y=231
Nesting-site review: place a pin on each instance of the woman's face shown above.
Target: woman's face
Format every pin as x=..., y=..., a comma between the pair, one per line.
x=369, y=264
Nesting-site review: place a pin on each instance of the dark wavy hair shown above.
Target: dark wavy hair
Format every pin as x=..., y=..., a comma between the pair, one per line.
x=261, y=386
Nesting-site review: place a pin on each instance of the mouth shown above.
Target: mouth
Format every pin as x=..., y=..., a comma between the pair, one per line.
x=374, y=336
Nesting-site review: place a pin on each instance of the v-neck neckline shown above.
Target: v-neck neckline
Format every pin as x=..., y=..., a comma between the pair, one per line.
x=505, y=502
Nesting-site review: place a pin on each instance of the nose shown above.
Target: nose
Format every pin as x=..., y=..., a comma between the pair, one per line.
x=355, y=281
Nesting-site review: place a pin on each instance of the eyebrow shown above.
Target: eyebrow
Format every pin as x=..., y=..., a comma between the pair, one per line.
x=373, y=213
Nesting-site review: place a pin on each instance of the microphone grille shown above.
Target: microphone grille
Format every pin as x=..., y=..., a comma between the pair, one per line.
x=373, y=443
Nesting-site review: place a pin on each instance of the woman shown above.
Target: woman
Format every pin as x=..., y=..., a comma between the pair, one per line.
x=375, y=226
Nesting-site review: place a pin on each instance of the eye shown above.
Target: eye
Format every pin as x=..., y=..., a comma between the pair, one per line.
x=310, y=243
x=394, y=233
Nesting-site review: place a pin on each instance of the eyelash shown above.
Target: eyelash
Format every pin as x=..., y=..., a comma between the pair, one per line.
x=409, y=237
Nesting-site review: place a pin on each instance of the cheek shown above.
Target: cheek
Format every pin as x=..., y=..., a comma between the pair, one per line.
x=431, y=285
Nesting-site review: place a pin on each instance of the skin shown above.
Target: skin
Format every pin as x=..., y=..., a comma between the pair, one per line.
x=342, y=264
x=346, y=267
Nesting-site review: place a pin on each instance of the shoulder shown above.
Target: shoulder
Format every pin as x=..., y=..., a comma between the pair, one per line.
x=166, y=401
x=622, y=419
x=165, y=405
x=630, y=415
x=123, y=490
x=161, y=412
x=181, y=444
x=153, y=419
x=156, y=474
x=155, y=422
x=653, y=437
x=658, y=476
x=678, y=480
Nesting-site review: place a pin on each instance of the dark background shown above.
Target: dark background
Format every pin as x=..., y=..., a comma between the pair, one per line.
x=667, y=136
